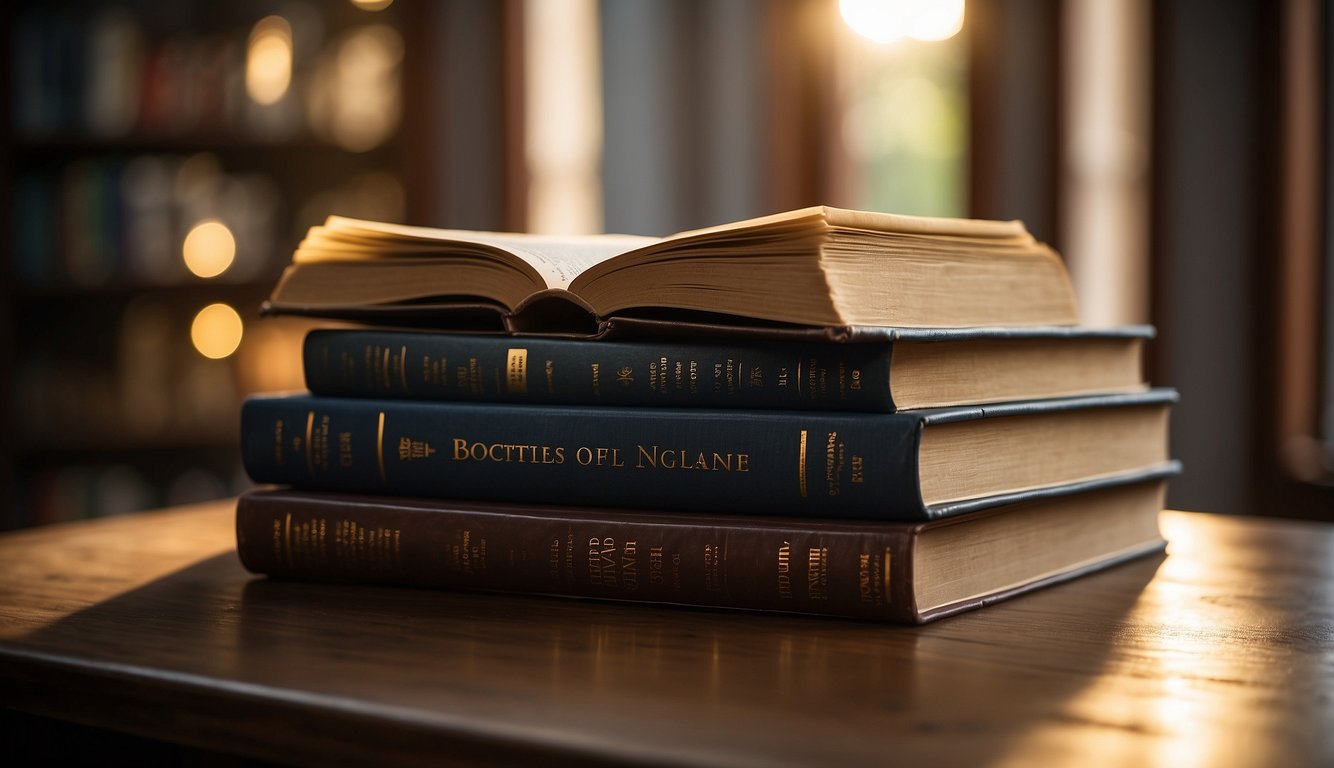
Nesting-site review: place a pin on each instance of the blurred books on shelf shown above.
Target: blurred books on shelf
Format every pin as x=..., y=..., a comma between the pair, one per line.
x=198, y=74
x=111, y=222
x=163, y=159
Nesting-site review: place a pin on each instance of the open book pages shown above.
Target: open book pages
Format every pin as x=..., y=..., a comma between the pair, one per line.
x=556, y=259
x=814, y=266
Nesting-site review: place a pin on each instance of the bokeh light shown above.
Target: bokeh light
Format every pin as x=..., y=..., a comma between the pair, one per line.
x=209, y=249
x=216, y=331
x=268, y=71
x=885, y=21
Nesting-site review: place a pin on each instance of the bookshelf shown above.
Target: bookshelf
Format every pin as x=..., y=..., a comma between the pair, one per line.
x=129, y=128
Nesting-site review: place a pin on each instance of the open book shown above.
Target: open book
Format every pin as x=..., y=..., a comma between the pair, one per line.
x=817, y=266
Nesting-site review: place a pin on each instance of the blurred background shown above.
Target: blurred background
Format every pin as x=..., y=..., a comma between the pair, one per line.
x=163, y=160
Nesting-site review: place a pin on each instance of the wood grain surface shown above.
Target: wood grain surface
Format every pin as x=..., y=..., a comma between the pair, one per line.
x=1222, y=651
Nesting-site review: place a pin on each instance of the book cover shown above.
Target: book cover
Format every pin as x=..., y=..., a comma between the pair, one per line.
x=908, y=465
x=904, y=572
x=892, y=370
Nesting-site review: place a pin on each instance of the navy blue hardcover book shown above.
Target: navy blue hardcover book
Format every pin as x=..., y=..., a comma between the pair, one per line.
x=881, y=370
x=902, y=466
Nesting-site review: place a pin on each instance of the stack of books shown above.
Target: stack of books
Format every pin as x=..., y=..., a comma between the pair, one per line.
x=824, y=411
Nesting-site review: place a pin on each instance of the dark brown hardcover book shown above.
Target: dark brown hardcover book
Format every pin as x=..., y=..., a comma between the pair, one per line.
x=902, y=572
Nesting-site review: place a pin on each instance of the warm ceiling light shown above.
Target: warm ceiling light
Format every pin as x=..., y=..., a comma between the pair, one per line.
x=936, y=20
x=268, y=71
x=877, y=20
x=209, y=249
x=372, y=5
x=216, y=331
x=885, y=21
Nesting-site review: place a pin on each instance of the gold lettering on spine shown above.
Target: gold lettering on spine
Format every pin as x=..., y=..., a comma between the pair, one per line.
x=516, y=382
x=630, y=565
x=833, y=463
x=713, y=568
x=287, y=538
x=385, y=369
x=871, y=580
x=379, y=447
x=602, y=555
x=817, y=573
x=345, y=450
x=409, y=449
x=886, y=575
x=364, y=551
x=655, y=570
x=310, y=455
x=677, y=458
x=801, y=465
x=403, y=367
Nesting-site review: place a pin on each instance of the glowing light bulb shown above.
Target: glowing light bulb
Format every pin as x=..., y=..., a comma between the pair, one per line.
x=216, y=331
x=372, y=5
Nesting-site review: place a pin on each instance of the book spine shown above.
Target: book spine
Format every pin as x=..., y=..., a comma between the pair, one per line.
x=350, y=363
x=849, y=573
x=759, y=462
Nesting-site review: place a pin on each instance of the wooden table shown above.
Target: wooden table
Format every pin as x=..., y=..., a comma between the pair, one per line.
x=1221, y=651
